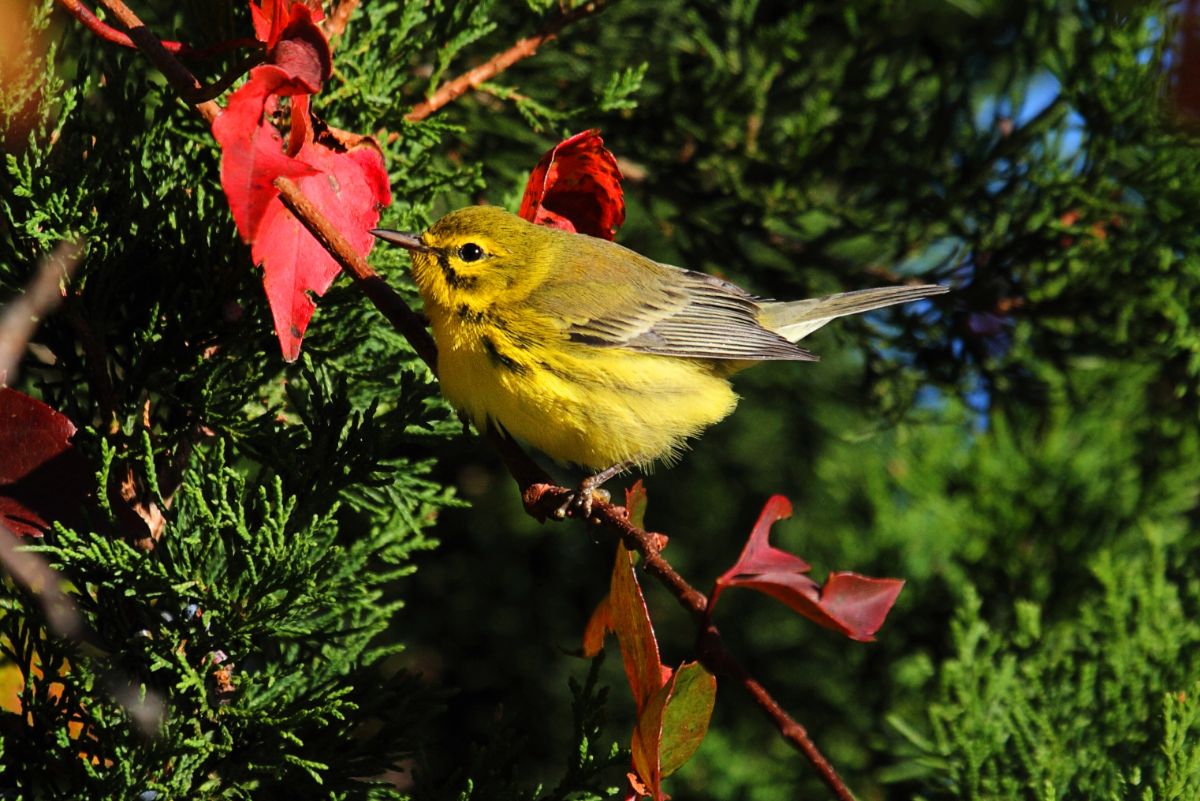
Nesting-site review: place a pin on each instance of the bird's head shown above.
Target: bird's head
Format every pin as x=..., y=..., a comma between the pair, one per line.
x=475, y=255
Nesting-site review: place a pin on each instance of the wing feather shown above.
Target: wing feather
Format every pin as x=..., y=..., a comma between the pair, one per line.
x=685, y=314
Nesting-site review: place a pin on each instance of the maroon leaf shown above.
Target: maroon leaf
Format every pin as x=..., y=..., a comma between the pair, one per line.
x=43, y=477
x=301, y=49
x=577, y=187
x=852, y=604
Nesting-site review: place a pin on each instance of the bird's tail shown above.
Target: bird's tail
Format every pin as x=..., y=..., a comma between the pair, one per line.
x=797, y=319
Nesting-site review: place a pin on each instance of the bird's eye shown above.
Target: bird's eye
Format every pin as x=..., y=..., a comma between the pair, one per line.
x=470, y=252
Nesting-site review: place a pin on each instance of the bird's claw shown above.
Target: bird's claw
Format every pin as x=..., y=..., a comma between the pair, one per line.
x=579, y=502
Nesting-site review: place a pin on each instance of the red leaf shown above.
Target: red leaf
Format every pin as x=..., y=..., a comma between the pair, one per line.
x=852, y=604
x=43, y=477
x=577, y=187
x=252, y=153
x=268, y=17
x=348, y=185
x=598, y=627
x=271, y=17
x=631, y=622
x=348, y=188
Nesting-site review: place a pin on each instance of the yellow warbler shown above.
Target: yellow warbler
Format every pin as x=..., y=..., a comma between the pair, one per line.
x=590, y=352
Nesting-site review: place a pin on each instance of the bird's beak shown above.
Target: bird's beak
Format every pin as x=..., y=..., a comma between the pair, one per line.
x=406, y=241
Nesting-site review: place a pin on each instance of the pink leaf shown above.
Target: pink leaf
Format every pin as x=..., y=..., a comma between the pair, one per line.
x=852, y=604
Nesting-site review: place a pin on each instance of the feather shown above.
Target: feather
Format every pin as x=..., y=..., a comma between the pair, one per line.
x=797, y=319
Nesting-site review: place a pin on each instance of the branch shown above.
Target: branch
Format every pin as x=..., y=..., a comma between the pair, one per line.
x=190, y=89
x=393, y=307
x=34, y=573
x=111, y=34
x=524, y=48
x=339, y=17
x=20, y=318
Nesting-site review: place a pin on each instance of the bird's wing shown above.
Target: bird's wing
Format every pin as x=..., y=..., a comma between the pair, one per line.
x=648, y=307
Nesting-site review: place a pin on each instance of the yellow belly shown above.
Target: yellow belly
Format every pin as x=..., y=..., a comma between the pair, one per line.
x=590, y=406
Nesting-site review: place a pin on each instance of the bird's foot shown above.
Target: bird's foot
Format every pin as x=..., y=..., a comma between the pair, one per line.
x=579, y=502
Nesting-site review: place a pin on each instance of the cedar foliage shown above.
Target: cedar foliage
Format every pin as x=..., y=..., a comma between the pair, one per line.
x=1025, y=454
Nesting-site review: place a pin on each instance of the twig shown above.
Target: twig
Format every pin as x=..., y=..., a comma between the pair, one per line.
x=106, y=31
x=538, y=494
x=402, y=318
x=717, y=658
x=34, y=573
x=190, y=89
x=710, y=647
x=335, y=23
x=524, y=48
x=111, y=34
x=20, y=318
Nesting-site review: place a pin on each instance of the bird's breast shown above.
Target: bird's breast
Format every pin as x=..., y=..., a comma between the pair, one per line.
x=591, y=406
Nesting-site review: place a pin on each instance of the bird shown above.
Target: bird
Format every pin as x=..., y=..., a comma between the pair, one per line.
x=590, y=352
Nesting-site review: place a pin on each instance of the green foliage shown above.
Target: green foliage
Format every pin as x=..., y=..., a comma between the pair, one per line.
x=1101, y=705
x=244, y=584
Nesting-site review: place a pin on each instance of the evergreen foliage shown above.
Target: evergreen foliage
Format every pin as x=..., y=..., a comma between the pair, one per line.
x=1025, y=453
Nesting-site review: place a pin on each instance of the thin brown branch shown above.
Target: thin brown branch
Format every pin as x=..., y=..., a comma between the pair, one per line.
x=34, y=573
x=710, y=647
x=335, y=24
x=524, y=48
x=111, y=34
x=717, y=659
x=106, y=31
x=184, y=83
x=393, y=307
x=20, y=318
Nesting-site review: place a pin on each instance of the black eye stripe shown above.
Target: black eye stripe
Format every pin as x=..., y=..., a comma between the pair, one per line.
x=470, y=252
